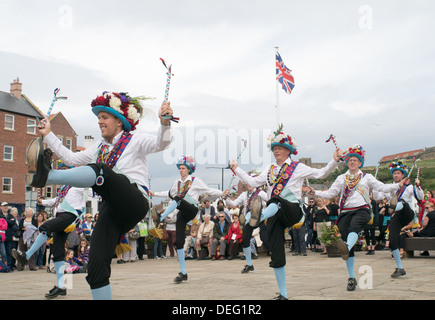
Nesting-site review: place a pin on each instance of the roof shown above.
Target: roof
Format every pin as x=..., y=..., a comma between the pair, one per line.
x=401, y=155
x=23, y=106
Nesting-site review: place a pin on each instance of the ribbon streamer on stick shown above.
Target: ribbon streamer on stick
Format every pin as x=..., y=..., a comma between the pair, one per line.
x=377, y=170
x=413, y=166
x=168, y=84
x=55, y=98
x=245, y=143
x=332, y=138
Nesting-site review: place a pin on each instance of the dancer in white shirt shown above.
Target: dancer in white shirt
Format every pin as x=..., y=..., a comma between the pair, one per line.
x=252, y=199
x=355, y=205
x=116, y=168
x=284, y=180
x=401, y=212
x=185, y=193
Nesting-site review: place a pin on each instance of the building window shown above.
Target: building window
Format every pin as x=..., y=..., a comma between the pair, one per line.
x=69, y=144
x=49, y=192
x=7, y=184
x=31, y=126
x=9, y=122
x=8, y=153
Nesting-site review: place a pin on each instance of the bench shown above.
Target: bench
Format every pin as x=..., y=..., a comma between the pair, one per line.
x=418, y=243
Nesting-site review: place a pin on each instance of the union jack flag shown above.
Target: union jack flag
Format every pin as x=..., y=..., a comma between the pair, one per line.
x=283, y=75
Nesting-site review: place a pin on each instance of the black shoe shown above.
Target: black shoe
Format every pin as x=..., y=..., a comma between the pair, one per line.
x=180, y=278
x=38, y=163
x=247, y=269
x=280, y=297
x=342, y=247
x=53, y=293
x=398, y=272
x=256, y=208
x=19, y=256
x=351, y=284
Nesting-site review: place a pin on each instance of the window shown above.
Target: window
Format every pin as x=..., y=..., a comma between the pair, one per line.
x=9, y=122
x=49, y=192
x=69, y=143
x=31, y=126
x=7, y=184
x=8, y=153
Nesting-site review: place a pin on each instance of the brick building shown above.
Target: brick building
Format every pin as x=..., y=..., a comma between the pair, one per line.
x=17, y=112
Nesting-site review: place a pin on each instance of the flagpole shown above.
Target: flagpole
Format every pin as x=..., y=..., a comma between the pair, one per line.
x=277, y=92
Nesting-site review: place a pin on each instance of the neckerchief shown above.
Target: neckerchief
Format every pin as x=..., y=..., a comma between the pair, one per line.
x=399, y=193
x=285, y=177
x=349, y=187
x=113, y=156
x=183, y=188
x=63, y=190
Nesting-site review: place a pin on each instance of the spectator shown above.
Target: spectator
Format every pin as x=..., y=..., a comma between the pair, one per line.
x=39, y=254
x=220, y=232
x=369, y=230
x=205, y=235
x=321, y=215
x=28, y=227
x=71, y=266
x=208, y=209
x=87, y=227
x=334, y=210
x=158, y=248
x=170, y=226
x=189, y=244
x=234, y=237
x=12, y=237
x=309, y=221
x=384, y=220
x=132, y=237
x=220, y=206
x=3, y=229
x=83, y=254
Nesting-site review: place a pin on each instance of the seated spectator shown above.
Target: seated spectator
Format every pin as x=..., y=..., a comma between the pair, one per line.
x=70, y=265
x=205, y=235
x=83, y=253
x=220, y=231
x=190, y=242
x=234, y=237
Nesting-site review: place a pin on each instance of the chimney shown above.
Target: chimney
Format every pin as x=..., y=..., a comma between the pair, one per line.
x=16, y=88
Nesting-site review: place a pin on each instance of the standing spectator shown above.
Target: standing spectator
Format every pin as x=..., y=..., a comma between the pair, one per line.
x=12, y=237
x=334, y=209
x=309, y=221
x=28, y=227
x=39, y=254
x=220, y=232
x=321, y=216
x=171, y=230
x=220, y=206
x=3, y=228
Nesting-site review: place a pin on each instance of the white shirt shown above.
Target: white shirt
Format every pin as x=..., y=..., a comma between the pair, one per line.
x=132, y=163
x=75, y=198
x=196, y=189
x=356, y=199
x=407, y=195
x=243, y=199
x=294, y=185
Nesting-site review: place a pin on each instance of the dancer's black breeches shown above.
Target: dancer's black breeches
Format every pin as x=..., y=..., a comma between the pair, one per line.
x=398, y=221
x=186, y=212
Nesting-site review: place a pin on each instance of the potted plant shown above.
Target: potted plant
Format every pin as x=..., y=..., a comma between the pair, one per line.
x=329, y=235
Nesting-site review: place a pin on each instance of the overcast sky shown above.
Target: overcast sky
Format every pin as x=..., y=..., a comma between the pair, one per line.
x=363, y=71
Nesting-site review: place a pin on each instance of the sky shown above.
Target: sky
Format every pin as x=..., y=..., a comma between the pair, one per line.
x=364, y=71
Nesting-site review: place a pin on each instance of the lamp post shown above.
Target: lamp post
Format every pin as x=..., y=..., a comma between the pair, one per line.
x=222, y=170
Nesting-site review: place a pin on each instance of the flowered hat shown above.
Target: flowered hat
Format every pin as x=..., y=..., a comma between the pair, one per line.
x=279, y=138
x=398, y=166
x=188, y=161
x=121, y=105
x=355, y=151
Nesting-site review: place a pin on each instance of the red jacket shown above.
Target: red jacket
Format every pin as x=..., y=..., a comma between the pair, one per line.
x=234, y=229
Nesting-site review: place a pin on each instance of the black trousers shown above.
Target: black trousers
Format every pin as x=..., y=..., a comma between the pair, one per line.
x=352, y=221
x=55, y=227
x=288, y=214
x=186, y=212
x=398, y=221
x=123, y=206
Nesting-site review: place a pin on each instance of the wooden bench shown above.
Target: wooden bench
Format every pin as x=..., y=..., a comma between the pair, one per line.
x=418, y=243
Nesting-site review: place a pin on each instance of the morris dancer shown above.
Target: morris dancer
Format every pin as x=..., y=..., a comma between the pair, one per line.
x=284, y=180
x=117, y=170
x=355, y=204
x=246, y=199
x=67, y=206
x=400, y=209
x=184, y=194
